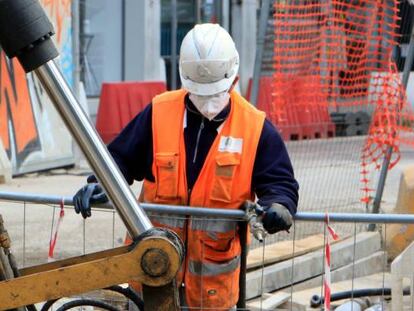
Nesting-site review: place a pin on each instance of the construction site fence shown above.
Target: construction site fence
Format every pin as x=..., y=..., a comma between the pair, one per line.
x=292, y=270
x=231, y=214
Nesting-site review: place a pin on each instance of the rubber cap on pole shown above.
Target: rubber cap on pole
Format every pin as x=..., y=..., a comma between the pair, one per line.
x=25, y=33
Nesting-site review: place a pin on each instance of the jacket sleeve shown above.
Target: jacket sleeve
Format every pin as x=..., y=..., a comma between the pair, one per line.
x=132, y=148
x=273, y=179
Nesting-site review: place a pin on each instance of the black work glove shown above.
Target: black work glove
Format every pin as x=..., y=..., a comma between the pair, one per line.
x=276, y=218
x=89, y=194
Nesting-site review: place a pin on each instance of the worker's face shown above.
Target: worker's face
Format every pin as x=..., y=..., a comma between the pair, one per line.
x=210, y=106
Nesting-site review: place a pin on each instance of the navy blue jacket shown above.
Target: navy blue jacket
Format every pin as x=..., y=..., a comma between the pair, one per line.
x=272, y=181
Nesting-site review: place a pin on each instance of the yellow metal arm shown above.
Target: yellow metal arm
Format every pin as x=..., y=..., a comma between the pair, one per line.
x=154, y=261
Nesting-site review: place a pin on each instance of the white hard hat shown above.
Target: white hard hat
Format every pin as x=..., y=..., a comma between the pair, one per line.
x=209, y=61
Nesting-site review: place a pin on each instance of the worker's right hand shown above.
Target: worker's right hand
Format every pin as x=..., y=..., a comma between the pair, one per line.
x=276, y=218
x=89, y=194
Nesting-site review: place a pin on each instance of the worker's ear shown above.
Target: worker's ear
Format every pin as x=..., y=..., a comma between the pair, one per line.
x=236, y=79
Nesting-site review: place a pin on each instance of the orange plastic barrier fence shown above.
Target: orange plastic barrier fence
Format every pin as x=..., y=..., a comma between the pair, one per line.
x=120, y=102
x=331, y=56
x=296, y=123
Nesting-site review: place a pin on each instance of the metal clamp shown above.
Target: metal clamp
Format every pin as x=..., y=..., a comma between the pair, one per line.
x=254, y=214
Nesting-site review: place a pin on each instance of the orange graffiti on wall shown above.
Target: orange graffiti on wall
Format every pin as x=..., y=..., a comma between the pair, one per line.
x=57, y=10
x=18, y=128
x=15, y=106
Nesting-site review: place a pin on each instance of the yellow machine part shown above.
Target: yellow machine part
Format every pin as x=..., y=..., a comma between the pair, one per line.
x=94, y=271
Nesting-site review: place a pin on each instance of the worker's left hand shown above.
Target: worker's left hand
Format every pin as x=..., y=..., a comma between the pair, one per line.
x=276, y=218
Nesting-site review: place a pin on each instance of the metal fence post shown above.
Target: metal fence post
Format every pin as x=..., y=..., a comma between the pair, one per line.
x=264, y=16
x=173, y=44
x=243, y=232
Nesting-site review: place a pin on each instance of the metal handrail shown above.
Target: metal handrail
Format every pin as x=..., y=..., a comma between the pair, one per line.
x=215, y=212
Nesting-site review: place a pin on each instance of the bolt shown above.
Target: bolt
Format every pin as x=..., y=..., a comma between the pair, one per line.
x=155, y=262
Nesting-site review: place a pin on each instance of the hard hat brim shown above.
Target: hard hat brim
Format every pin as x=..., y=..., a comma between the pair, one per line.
x=206, y=89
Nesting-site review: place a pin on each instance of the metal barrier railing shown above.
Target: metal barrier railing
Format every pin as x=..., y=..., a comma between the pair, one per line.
x=216, y=212
x=283, y=269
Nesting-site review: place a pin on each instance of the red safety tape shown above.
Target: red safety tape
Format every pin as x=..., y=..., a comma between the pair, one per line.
x=54, y=235
x=327, y=280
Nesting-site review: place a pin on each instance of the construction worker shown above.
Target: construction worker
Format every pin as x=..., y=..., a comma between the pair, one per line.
x=205, y=145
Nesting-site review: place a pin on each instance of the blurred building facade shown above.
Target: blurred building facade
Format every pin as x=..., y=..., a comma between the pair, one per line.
x=129, y=40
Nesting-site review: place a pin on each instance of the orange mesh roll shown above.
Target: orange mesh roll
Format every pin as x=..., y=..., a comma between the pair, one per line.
x=333, y=55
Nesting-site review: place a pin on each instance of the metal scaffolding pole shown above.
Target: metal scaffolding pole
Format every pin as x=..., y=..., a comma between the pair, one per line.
x=76, y=46
x=225, y=14
x=173, y=44
x=264, y=16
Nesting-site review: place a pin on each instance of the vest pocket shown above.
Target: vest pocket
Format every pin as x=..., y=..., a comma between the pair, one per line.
x=219, y=246
x=212, y=285
x=167, y=175
x=226, y=165
x=213, y=264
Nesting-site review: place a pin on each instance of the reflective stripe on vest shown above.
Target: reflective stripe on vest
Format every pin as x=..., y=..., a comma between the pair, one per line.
x=211, y=269
x=172, y=221
x=213, y=225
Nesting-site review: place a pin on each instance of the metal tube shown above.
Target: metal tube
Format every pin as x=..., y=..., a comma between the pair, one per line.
x=123, y=38
x=359, y=218
x=107, y=172
x=225, y=14
x=148, y=207
x=218, y=212
x=198, y=11
x=195, y=211
x=381, y=185
x=264, y=16
x=243, y=232
x=76, y=47
x=408, y=60
x=173, y=44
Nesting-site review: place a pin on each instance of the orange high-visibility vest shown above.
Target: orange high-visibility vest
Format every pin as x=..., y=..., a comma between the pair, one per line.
x=212, y=266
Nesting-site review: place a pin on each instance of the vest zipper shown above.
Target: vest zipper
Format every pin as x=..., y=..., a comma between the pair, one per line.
x=188, y=202
x=198, y=139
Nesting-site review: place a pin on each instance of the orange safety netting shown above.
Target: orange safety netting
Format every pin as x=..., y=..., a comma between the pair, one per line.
x=334, y=55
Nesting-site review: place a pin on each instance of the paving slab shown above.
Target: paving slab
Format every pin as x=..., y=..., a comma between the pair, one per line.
x=304, y=267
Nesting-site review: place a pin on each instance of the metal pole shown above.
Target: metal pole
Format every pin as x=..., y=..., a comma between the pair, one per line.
x=408, y=60
x=95, y=151
x=225, y=14
x=198, y=11
x=76, y=73
x=264, y=16
x=149, y=207
x=357, y=218
x=216, y=212
x=387, y=159
x=123, y=38
x=173, y=44
x=243, y=232
x=76, y=46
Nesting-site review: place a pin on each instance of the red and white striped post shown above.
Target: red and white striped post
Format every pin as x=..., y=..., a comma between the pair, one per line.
x=327, y=279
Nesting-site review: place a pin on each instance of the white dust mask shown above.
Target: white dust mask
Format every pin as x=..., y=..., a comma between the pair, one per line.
x=210, y=106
